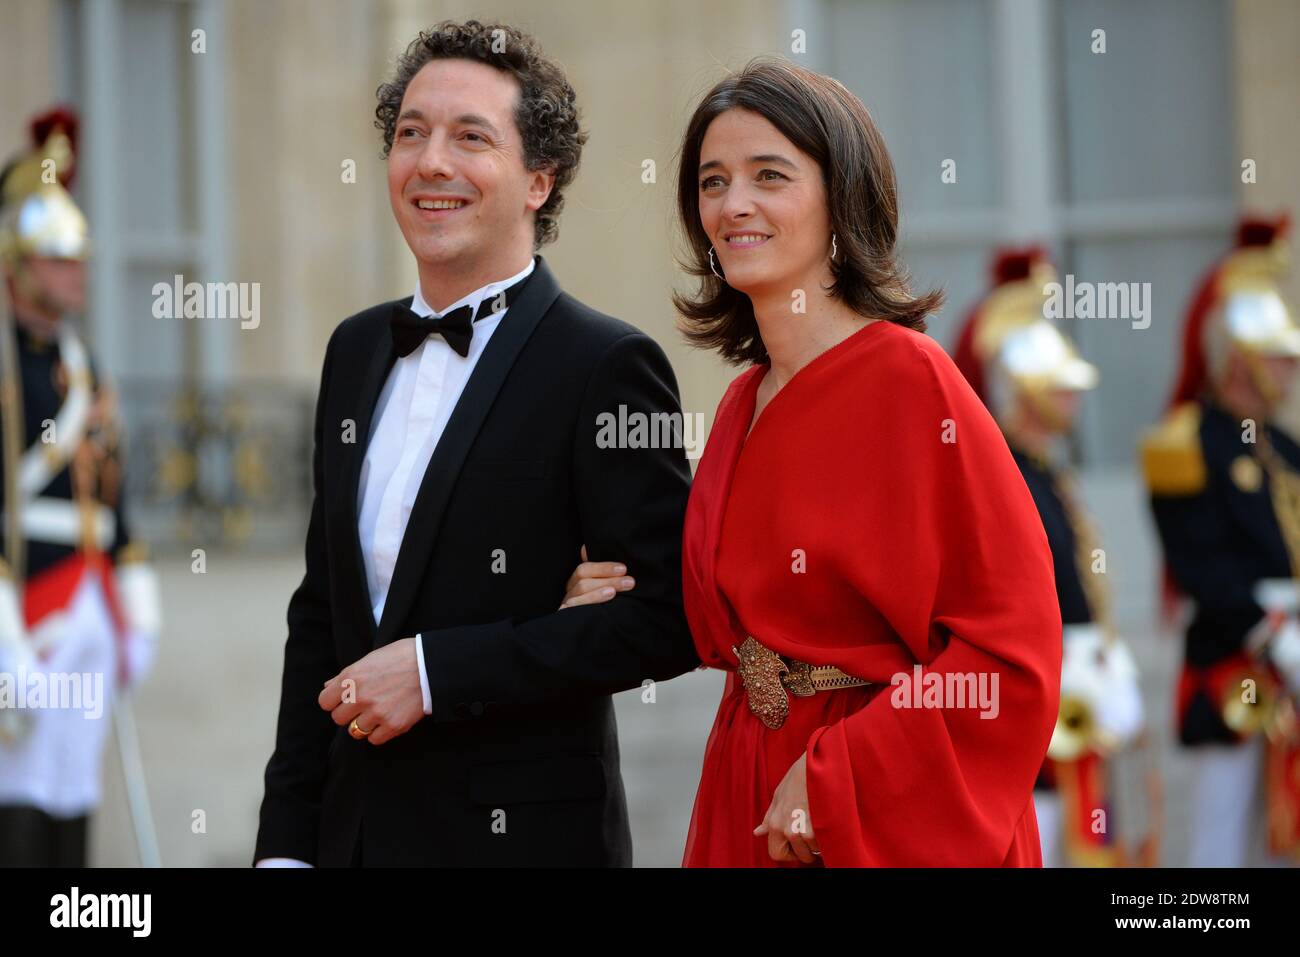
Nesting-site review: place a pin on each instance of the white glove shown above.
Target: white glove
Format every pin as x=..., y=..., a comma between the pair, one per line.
x=1283, y=650
x=1101, y=673
x=1119, y=715
x=137, y=592
x=138, y=597
x=1277, y=595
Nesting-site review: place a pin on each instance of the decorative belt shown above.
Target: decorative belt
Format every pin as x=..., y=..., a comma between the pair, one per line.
x=770, y=679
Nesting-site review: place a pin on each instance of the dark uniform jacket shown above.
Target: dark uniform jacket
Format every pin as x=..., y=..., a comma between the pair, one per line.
x=1210, y=496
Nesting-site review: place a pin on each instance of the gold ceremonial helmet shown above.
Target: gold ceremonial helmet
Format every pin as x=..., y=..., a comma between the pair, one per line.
x=1023, y=351
x=1250, y=313
x=39, y=216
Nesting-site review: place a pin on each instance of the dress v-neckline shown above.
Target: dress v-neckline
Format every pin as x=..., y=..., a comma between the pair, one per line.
x=755, y=417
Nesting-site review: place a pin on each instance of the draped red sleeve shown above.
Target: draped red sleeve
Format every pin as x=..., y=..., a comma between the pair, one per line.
x=958, y=563
x=916, y=545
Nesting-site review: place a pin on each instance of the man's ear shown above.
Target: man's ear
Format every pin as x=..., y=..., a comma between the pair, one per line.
x=540, y=184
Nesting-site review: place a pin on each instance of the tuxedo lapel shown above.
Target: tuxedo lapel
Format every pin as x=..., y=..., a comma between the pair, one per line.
x=463, y=427
x=376, y=374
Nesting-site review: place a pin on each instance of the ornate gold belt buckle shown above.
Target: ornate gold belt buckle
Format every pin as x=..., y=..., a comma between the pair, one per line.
x=798, y=680
x=766, y=678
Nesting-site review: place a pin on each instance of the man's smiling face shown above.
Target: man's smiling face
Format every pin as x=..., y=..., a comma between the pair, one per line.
x=457, y=179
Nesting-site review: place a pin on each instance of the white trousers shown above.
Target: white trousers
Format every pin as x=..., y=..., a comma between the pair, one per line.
x=1229, y=817
x=56, y=766
x=1047, y=806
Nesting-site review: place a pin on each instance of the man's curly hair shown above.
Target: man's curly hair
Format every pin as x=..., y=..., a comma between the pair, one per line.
x=547, y=114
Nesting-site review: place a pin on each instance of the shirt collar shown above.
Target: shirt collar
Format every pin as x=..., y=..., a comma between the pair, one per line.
x=422, y=308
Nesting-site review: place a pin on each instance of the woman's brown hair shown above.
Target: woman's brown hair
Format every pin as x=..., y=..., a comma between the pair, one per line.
x=827, y=122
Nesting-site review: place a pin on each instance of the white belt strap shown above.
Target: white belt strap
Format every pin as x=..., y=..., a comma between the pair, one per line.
x=44, y=460
x=59, y=521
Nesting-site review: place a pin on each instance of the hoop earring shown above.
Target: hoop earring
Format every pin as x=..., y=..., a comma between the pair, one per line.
x=834, y=248
x=714, y=267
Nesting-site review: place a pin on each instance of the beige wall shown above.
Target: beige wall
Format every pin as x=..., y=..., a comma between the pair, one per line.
x=301, y=82
x=27, y=71
x=1266, y=48
x=330, y=249
x=1267, y=53
x=300, y=91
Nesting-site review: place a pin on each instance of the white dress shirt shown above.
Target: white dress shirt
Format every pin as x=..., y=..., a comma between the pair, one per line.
x=409, y=418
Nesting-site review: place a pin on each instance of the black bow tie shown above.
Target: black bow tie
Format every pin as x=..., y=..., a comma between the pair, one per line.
x=456, y=327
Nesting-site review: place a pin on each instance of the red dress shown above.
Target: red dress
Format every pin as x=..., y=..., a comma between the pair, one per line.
x=875, y=520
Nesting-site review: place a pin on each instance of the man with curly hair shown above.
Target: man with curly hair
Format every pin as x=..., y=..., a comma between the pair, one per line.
x=436, y=707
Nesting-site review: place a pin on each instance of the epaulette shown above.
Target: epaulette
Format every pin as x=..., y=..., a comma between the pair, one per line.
x=1172, y=460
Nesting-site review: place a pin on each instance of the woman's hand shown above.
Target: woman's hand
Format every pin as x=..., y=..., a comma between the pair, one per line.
x=787, y=823
x=594, y=582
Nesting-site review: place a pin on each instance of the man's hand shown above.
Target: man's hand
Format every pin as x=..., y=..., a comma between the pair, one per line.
x=382, y=691
x=787, y=823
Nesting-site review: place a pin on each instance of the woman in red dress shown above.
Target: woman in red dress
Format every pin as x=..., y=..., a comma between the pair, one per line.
x=861, y=554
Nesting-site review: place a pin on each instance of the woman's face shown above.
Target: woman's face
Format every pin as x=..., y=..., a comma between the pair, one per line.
x=763, y=206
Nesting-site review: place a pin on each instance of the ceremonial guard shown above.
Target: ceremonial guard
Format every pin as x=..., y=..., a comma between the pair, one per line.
x=1224, y=483
x=79, y=616
x=1030, y=376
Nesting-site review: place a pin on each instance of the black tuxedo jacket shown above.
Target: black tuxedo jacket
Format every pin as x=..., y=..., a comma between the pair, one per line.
x=519, y=763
